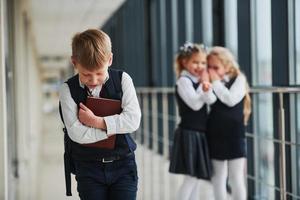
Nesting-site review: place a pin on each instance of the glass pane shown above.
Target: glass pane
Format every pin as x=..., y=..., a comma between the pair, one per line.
x=207, y=22
x=298, y=140
x=189, y=20
x=262, y=103
x=263, y=51
x=266, y=169
x=264, y=113
x=297, y=45
x=297, y=38
x=231, y=31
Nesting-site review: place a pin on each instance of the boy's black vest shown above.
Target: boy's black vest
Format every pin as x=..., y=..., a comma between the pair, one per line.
x=226, y=122
x=191, y=119
x=112, y=89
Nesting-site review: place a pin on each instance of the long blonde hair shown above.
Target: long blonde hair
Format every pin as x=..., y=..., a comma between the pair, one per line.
x=185, y=52
x=230, y=63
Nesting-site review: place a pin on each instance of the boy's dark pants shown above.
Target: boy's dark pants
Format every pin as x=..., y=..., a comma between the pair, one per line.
x=116, y=180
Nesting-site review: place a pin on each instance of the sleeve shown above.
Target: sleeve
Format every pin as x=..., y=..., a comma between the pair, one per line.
x=209, y=97
x=231, y=96
x=129, y=119
x=76, y=130
x=193, y=98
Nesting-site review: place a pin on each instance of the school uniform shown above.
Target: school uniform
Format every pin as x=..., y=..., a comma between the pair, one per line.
x=226, y=137
x=189, y=153
x=225, y=125
x=101, y=173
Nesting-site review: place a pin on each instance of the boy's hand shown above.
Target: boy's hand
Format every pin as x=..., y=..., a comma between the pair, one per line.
x=206, y=86
x=213, y=75
x=87, y=117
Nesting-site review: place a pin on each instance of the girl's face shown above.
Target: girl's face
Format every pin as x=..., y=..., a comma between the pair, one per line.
x=214, y=63
x=195, y=64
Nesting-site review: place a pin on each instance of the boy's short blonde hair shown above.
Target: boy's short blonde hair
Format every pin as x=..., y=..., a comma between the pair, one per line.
x=91, y=48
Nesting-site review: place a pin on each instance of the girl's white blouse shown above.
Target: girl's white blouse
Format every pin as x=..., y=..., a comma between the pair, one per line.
x=235, y=94
x=194, y=98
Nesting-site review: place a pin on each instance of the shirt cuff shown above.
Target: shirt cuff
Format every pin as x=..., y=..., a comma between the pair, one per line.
x=217, y=84
x=208, y=93
x=199, y=89
x=100, y=134
x=111, y=127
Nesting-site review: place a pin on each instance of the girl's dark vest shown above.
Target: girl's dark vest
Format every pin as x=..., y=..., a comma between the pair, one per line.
x=190, y=119
x=226, y=122
x=112, y=89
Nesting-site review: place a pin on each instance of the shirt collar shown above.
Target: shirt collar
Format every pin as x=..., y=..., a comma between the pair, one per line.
x=226, y=78
x=186, y=73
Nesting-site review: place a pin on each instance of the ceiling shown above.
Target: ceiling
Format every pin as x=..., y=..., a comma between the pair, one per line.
x=55, y=22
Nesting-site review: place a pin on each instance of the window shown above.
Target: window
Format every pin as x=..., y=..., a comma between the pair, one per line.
x=297, y=40
x=231, y=29
x=297, y=105
x=207, y=21
x=262, y=103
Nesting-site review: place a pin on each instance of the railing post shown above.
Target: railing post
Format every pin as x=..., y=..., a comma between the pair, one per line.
x=165, y=125
x=146, y=121
x=139, y=132
x=154, y=117
x=282, y=147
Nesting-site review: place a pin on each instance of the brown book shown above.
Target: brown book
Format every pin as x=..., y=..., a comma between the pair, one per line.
x=103, y=107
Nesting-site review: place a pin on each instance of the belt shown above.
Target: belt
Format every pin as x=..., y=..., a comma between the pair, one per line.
x=115, y=158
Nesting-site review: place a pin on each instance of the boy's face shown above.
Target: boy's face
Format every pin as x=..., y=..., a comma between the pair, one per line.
x=92, y=78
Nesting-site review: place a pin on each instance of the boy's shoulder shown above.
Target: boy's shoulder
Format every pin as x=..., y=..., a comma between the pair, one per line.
x=121, y=73
x=72, y=78
x=115, y=71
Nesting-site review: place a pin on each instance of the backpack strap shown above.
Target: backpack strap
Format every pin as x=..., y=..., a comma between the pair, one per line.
x=115, y=84
x=68, y=162
x=67, y=156
x=129, y=140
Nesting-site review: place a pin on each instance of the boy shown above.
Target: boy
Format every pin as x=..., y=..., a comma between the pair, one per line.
x=100, y=173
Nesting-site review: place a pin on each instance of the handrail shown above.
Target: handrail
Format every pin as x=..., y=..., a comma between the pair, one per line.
x=256, y=89
x=155, y=90
x=272, y=89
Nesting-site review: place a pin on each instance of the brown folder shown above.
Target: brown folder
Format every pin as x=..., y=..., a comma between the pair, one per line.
x=103, y=107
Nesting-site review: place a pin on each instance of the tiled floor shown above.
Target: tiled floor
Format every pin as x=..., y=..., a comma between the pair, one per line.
x=155, y=182
x=52, y=180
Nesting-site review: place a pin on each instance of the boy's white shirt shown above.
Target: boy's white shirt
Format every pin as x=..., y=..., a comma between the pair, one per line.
x=232, y=96
x=126, y=122
x=194, y=98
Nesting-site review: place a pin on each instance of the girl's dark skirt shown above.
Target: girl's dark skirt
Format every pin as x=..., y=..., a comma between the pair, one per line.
x=190, y=154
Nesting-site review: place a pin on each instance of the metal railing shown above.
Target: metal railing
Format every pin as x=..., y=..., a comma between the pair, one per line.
x=160, y=117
